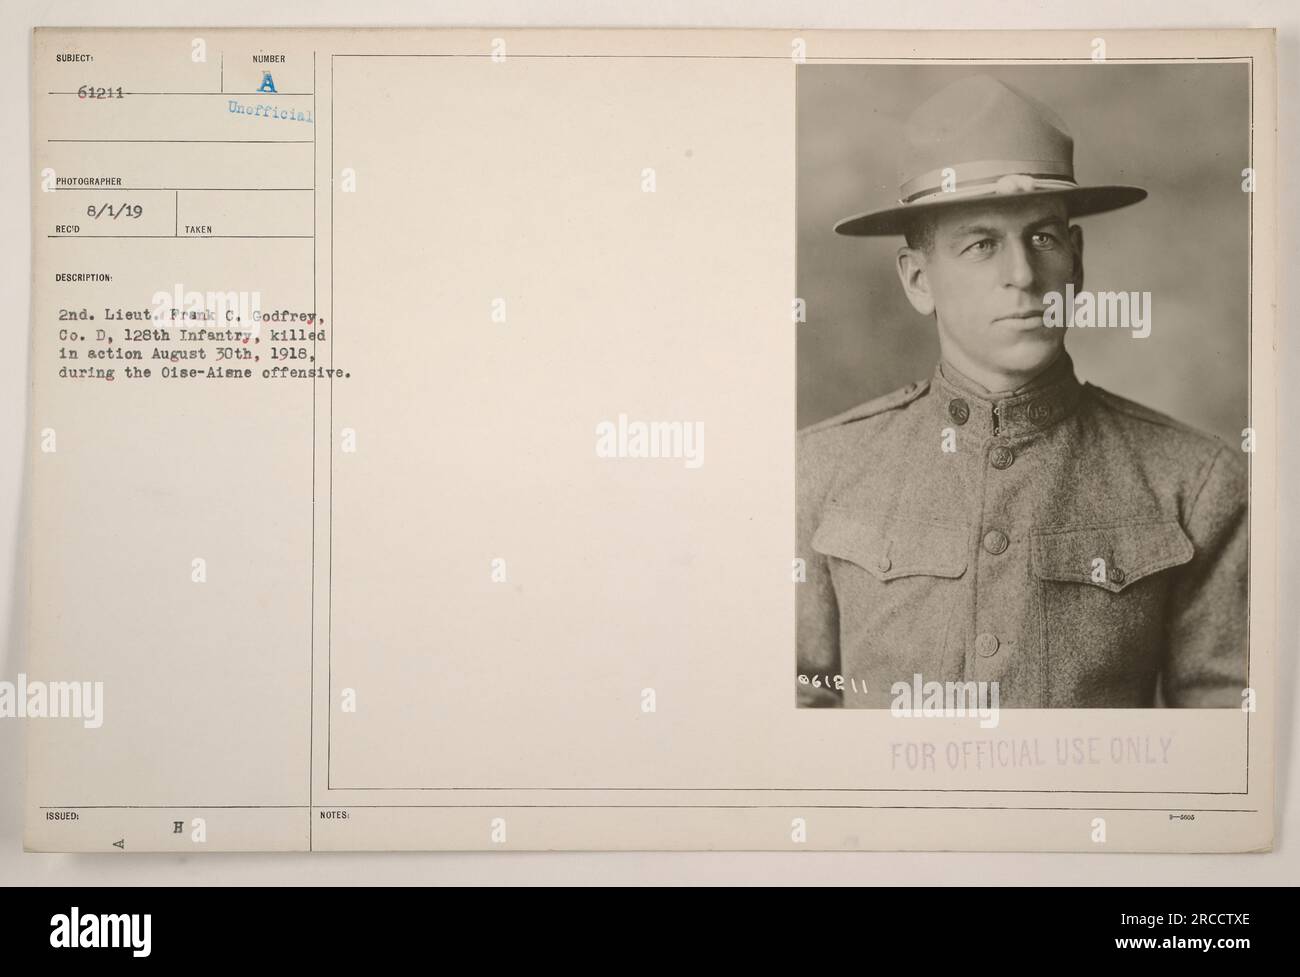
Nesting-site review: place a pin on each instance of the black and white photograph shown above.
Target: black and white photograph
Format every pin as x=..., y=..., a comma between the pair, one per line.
x=1023, y=376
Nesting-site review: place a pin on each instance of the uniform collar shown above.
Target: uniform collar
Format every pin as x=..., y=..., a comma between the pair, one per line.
x=1045, y=400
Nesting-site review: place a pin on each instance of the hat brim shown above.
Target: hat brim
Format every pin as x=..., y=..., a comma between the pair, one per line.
x=1079, y=201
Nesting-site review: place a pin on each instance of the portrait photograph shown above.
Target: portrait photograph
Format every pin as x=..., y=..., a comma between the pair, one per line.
x=1023, y=385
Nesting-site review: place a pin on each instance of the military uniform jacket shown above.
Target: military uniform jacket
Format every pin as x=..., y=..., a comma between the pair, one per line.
x=1075, y=547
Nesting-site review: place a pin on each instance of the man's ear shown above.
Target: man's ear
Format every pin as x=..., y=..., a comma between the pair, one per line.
x=1076, y=273
x=911, y=272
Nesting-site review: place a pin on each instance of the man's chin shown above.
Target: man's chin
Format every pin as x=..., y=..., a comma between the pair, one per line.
x=1031, y=352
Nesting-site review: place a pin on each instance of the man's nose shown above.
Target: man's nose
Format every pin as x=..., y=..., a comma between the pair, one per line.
x=1017, y=266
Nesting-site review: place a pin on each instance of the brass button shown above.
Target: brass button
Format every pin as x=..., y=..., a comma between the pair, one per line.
x=987, y=645
x=959, y=410
x=1116, y=575
x=1001, y=457
x=995, y=541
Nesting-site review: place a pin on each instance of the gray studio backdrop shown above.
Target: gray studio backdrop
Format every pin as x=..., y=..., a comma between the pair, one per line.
x=1179, y=130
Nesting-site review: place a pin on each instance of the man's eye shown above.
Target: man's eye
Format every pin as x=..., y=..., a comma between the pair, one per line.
x=980, y=247
x=1042, y=240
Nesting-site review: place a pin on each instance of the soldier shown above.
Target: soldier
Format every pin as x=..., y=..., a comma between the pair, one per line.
x=1001, y=521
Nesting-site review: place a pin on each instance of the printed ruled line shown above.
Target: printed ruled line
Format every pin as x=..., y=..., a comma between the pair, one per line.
x=329, y=580
x=639, y=807
x=213, y=189
x=181, y=237
x=831, y=790
x=956, y=62
x=794, y=806
x=170, y=807
x=256, y=142
x=311, y=618
x=258, y=94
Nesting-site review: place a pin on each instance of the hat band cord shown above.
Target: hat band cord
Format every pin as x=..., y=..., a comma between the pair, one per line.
x=981, y=187
x=986, y=171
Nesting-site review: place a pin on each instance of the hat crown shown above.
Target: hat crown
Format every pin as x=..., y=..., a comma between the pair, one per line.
x=975, y=124
x=980, y=140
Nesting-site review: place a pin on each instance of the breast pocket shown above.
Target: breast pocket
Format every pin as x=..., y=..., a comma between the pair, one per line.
x=1104, y=593
x=896, y=581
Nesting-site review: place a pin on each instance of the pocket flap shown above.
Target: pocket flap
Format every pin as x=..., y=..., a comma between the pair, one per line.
x=891, y=546
x=1131, y=551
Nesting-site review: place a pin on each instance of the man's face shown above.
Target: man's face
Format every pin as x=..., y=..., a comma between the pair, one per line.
x=985, y=277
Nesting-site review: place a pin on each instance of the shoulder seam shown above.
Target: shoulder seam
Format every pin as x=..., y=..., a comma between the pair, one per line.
x=1224, y=451
x=878, y=405
x=1140, y=412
